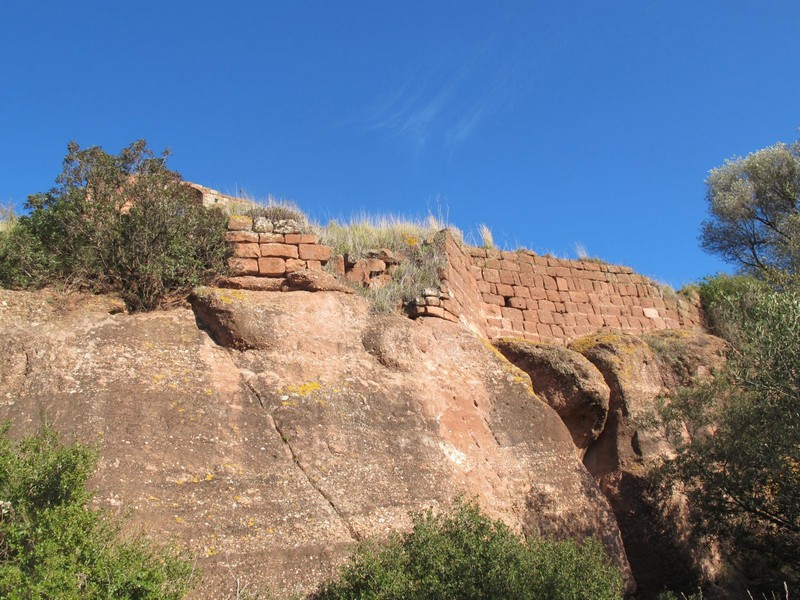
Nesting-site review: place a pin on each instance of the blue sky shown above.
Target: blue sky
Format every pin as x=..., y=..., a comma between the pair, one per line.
x=555, y=123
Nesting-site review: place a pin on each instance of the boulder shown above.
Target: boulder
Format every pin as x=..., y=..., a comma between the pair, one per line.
x=567, y=381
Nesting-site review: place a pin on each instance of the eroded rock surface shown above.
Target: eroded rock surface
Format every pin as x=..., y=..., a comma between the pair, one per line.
x=639, y=373
x=567, y=381
x=301, y=424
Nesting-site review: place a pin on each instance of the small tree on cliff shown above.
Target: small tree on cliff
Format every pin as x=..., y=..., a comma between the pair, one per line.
x=754, y=203
x=122, y=223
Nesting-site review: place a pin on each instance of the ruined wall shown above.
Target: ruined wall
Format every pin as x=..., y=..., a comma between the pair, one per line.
x=272, y=248
x=555, y=300
x=494, y=293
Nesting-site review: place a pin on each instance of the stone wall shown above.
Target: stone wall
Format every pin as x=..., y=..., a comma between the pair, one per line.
x=272, y=248
x=494, y=293
x=520, y=294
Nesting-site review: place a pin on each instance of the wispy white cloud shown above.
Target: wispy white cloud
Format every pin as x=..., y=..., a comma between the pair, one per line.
x=444, y=102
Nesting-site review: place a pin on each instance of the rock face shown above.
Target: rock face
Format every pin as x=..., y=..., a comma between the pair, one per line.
x=638, y=372
x=568, y=382
x=290, y=424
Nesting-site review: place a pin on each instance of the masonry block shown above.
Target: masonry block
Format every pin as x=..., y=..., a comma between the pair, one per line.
x=491, y=275
x=241, y=236
x=279, y=251
x=243, y=266
x=246, y=250
x=504, y=290
x=494, y=299
x=516, y=302
x=271, y=267
x=545, y=316
x=295, y=264
x=270, y=238
x=321, y=253
x=240, y=223
x=509, y=277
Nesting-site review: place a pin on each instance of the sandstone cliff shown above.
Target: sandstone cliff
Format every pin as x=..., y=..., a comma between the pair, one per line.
x=267, y=431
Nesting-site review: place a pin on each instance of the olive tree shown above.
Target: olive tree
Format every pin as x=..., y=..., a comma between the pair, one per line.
x=754, y=205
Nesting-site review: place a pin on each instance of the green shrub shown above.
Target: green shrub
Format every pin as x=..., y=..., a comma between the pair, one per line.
x=740, y=462
x=53, y=546
x=121, y=223
x=464, y=555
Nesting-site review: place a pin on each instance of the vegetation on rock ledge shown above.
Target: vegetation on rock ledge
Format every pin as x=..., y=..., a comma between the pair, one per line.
x=120, y=223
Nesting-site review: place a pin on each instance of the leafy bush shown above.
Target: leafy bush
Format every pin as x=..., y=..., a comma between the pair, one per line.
x=739, y=458
x=121, y=223
x=53, y=546
x=463, y=554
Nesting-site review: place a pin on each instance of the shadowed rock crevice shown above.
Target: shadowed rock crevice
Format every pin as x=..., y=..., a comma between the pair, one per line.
x=639, y=372
x=568, y=382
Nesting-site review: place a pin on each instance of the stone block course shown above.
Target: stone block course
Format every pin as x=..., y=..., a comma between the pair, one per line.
x=279, y=251
x=271, y=267
x=320, y=253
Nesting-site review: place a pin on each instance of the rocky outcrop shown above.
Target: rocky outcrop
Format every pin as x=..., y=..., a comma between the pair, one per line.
x=290, y=424
x=640, y=372
x=568, y=382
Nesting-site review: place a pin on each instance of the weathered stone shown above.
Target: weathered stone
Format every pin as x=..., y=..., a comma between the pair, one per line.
x=387, y=256
x=655, y=537
x=243, y=266
x=295, y=264
x=359, y=273
x=258, y=284
x=339, y=265
x=241, y=236
x=315, y=252
x=568, y=382
x=314, y=281
x=286, y=226
x=375, y=265
x=293, y=238
x=246, y=250
x=271, y=238
x=271, y=267
x=239, y=223
x=262, y=225
x=279, y=250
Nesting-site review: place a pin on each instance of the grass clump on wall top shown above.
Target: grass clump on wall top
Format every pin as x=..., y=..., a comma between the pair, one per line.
x=417, y=244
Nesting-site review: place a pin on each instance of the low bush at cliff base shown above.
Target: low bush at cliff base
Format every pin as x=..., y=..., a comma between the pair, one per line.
x=115, y=223
x=53, y=546
x=463, y=554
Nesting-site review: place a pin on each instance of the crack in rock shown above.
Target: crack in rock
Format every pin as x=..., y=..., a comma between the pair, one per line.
x=296, y=460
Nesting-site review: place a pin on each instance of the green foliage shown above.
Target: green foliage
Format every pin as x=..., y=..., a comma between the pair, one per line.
x=754, y=203
x=739, y=461
x=121, y=223
x=53, y=546
x=463, y=554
